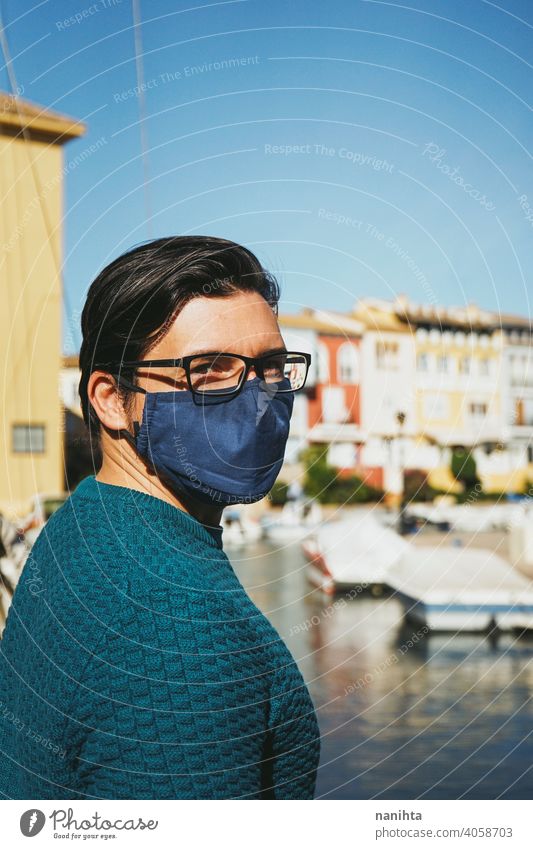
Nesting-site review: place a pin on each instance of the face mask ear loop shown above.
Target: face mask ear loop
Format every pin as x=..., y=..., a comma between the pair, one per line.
x=131, y=386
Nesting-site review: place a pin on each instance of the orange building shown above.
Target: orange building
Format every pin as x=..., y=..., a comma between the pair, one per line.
x=332, y=400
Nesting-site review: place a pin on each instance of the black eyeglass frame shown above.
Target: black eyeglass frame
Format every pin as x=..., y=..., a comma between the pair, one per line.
x=184, y=363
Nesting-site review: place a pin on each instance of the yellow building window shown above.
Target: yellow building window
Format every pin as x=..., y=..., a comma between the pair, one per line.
x=484, y=367
x=464, y=365
x=477, y=410
x=422, y=362
x=443, y=364
x=29, y=439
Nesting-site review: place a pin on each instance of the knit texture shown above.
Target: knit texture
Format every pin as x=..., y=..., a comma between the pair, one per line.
x=134, y=666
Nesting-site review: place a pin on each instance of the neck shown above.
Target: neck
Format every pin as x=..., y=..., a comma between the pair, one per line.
x=124, y=471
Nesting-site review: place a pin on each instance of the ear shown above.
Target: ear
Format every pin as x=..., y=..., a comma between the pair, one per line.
x=104, y=396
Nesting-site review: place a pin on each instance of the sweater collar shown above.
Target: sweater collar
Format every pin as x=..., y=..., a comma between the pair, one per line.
x=149, y=507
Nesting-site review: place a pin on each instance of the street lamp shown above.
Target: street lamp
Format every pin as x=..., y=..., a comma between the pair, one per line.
x=400, y=419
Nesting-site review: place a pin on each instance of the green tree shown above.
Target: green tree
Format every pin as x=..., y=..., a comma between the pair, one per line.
x=417, y=487
x=463, y=468
x=324, y=483
x=278, y=493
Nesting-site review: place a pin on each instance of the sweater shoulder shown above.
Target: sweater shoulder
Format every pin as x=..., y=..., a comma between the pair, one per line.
x=113, y=586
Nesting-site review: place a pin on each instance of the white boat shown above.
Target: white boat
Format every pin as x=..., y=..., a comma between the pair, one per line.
x=445, y=587
x=487, y=517
x=450, y=588
x=357, y=551
x=238, y=529
x=470, y=518
x=14, y=552
x=521, y=542
x=296, y=521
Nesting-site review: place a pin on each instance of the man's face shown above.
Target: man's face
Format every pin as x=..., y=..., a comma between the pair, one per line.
x=242, y=323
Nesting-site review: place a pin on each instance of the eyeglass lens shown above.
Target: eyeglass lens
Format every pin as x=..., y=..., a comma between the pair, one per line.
x=224, y=373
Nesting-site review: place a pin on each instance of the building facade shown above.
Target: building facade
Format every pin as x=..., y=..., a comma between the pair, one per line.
x=472, y=373
x=399, y=386
x=329, y=411
x=31, y=175
x=457, y=385
x=517, y=397
x=387, y=399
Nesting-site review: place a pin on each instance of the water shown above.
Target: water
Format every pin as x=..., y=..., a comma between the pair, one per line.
x=403, y=715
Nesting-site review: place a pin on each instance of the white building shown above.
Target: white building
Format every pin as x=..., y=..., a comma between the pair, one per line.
x=388, y=416
x=518, y=392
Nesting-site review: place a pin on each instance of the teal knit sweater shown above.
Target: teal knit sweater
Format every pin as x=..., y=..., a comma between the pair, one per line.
x=134, y=666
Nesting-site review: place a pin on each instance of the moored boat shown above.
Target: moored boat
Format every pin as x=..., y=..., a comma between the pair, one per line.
x=357, y=551
x=449, y=588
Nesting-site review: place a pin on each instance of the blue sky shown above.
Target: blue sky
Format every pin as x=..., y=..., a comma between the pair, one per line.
x=358, y=147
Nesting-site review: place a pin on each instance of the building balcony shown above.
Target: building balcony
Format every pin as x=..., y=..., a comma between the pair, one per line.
x=337, y=432
x=519, y=431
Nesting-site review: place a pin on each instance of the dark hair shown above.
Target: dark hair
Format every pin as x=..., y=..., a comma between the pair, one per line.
x=134, y=300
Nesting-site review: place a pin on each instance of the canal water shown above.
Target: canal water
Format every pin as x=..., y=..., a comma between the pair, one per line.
x=403, y=714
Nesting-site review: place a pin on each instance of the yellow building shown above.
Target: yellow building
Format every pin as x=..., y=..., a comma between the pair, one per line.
x=459, y=389
x=461, y=378
x=31, y=183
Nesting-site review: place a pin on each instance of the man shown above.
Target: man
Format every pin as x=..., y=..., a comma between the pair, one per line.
x=133, y=663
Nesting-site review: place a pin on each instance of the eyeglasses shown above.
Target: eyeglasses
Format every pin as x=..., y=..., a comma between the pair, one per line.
x=222, y=374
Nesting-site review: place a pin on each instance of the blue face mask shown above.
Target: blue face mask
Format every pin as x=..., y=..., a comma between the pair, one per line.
x=222, y=451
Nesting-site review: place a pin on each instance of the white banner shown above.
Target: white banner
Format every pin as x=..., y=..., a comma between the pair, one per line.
x=357, y=824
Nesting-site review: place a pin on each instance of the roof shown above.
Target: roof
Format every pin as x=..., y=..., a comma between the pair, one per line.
x=375, y=317
x=465, y=317
x=323, y=321
x=509, y=321
x=17, y=114
x=70, y=361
